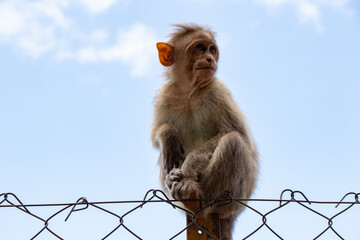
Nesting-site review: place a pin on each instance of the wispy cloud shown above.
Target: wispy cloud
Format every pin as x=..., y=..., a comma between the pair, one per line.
x=310, y=11
x=97, y=6
x=41, y=27
x=133, y=46
x=32, y=26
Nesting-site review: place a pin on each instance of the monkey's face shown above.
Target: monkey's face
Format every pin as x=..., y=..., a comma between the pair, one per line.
x=193, y=59
x=202, y=61
x=201, y=56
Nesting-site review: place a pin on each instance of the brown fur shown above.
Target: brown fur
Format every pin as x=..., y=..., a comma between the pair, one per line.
x=204, y=141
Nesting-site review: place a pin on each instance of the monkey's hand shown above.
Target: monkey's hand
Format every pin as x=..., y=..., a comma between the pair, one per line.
x=173, y=154
x=184, y=188
x=173, y=178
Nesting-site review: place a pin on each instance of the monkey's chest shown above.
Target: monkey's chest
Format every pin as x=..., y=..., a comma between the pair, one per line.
x=195, y=127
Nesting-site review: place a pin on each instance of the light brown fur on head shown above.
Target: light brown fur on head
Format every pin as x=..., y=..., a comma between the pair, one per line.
x=185, y=29
x=194, y=69
x=205, y=144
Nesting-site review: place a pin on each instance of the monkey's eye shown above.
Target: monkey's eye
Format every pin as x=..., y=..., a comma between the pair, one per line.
x=200, y=47
x=212, y=50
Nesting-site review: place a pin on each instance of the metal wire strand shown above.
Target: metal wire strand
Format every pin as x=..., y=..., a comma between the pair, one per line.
x=10, y=200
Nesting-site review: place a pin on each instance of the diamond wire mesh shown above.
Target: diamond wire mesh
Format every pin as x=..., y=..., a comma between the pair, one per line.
x=47, y=224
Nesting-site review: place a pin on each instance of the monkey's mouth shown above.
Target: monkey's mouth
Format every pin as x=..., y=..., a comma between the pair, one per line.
x=206, y=68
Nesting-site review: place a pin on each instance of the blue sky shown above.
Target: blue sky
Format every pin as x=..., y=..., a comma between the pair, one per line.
x=78, y=79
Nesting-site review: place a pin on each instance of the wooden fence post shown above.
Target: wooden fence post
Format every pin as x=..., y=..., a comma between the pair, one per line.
x=210, y=223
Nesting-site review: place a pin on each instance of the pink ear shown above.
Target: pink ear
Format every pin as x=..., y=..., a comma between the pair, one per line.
x=166, y=52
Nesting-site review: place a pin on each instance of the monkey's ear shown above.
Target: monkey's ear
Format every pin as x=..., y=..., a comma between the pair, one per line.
x=166, y=52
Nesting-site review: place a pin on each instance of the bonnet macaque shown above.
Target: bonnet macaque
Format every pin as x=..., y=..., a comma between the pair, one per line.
x=205, y=145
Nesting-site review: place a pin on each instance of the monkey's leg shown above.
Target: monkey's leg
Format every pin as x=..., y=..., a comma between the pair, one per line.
x=184, y=182
x=232, y=168
x=226, y=226
x=172, y=150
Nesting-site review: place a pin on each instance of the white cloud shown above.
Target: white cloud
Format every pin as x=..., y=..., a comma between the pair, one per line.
x=97, y=6
x=41, y=27
x=11, y=20
x=275, y=2
x=37, y=40
x=309, y=11
x=197, y=1
x=32, y=26
x=52, y=10
x=134, y=47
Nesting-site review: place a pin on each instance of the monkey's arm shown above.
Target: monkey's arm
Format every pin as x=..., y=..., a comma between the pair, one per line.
x=166, y=138
x=198, y=159
x=183, y=182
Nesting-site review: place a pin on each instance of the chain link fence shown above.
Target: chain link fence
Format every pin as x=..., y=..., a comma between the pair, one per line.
x=45, y=226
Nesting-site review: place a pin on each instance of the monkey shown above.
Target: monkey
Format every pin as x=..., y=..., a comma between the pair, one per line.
x=206, y=148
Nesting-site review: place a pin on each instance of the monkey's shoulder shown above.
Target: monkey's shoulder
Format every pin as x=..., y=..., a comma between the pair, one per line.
x=220, y=99
x=212, y=107
x=213, y=101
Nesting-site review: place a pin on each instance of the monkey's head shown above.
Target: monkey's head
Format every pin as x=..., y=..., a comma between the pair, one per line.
x=191, y=55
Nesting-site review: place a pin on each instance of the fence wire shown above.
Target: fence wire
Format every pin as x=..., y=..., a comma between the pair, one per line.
x=287, y=197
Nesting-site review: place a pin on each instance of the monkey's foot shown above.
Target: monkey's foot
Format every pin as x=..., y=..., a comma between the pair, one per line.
x=186, y=190
x=183, y=188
